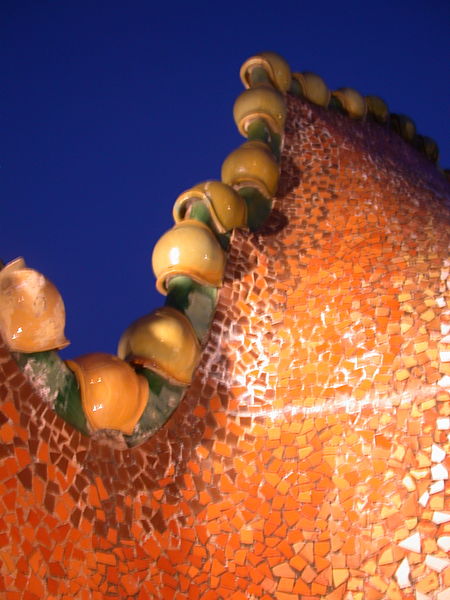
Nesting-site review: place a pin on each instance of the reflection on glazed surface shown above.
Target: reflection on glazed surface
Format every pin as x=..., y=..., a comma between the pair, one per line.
x=309, y=457
x=32, y=314
x=163, y=341
x=226, y=208
x=113, y=396
x=189, y=248
x=252, y=165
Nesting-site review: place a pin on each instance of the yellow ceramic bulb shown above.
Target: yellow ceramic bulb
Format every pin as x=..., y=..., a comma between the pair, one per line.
x=431, y=149
x=378, y=108
x=275, y=66
x=262, y=102
x=189, y=248
x=352, y=101
x=252, y=165
x=407, y=128
x=163, y=341
x=226, y=207
x=313, y=88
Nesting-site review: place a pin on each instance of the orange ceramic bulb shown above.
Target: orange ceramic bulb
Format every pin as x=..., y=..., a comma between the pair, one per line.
x=32, y=314
x=113, y=396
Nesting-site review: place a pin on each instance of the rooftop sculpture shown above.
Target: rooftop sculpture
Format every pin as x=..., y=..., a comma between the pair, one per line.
x=279, y=428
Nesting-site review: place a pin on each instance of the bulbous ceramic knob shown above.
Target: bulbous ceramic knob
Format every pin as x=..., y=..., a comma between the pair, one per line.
x=275, y=66
x=163, y=341
x=225, y=206
x=113, y=395
x=32, y=314
x=252, y=165
x=313, y=88
x=378, y=108
x=262, y=102
x=404, y=126
x=352, y=101
x=430, y=148
x=189, y=248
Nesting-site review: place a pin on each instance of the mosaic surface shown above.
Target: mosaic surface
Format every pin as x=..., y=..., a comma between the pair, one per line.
x=309, y=458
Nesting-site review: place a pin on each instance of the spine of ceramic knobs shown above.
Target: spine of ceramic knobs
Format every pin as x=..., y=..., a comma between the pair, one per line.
x=163, y=341
x=226, y=208
x=113, y=395
x=266, y=67
x=312, y=87
x=32, y=314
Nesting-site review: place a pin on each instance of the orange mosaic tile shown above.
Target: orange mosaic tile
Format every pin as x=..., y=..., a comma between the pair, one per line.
x=309, y=457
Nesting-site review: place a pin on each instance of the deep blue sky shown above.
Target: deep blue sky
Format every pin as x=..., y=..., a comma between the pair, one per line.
x=110, y=109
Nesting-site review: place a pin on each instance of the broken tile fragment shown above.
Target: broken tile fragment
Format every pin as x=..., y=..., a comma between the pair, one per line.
x=443, y=423
x=423, y=500
x=436, y=563
x=444, y=543
x=439, y=472
x=437, y=486
x=437, y=453
x=402, y=574
x=444, y=381
x=440, y=517
x=412, y=543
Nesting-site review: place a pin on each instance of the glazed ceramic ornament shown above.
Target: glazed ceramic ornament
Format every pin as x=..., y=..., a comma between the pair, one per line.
x=352, y=102
x=190, y=248
x=226, y=207
x=261, y=102
x=113, y=396
x=163, y=341
x=252, y=165
x=277, y=69
x=430, y=148
x=32, y=314
x=404, y=126
x=313, y=88
x=378, y=108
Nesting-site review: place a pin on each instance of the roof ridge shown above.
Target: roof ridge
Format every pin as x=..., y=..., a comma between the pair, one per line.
x=271, y=68
x=165, y=346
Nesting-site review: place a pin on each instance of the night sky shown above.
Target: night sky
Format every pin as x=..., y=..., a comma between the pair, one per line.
x=109, y=110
